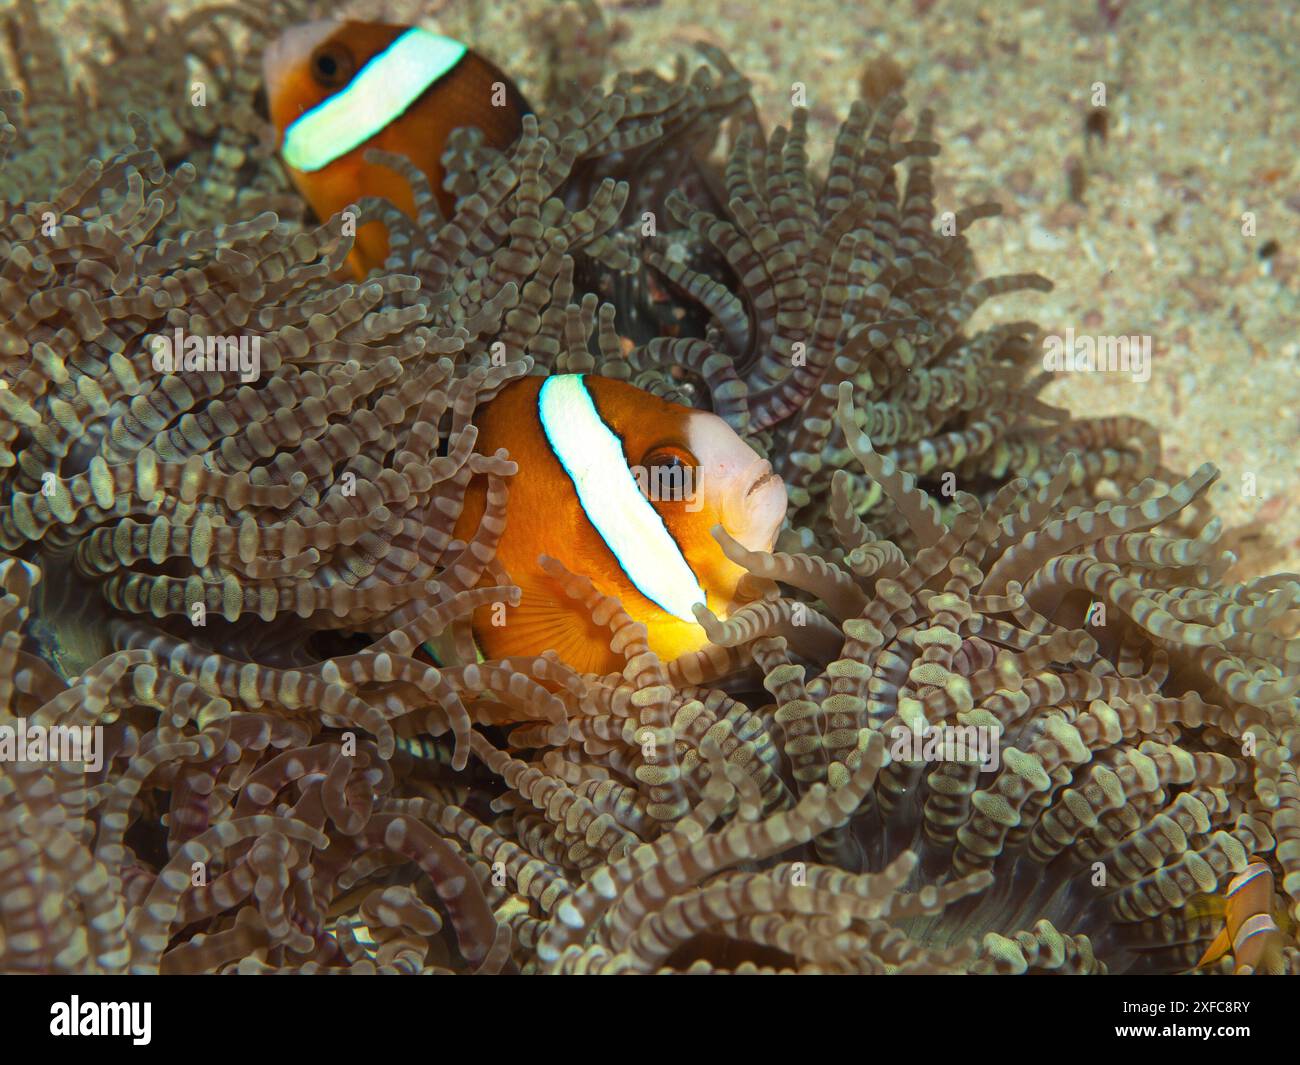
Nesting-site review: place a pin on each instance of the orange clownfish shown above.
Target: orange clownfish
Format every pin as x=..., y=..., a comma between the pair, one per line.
x=1251, y=932
x=335, y=89
x=622, y=487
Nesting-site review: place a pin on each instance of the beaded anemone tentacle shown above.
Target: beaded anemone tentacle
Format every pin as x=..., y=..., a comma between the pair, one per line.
x=858, y=278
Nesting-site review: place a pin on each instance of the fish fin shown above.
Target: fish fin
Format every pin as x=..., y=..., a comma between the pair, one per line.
x=547, y=618
x=1216, y=950
x=1274, y=961
x=1211, y=906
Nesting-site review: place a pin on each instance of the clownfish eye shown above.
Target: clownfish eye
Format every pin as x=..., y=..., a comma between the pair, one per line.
x=332, y=65
x=671, y=458
x=667, y=459
x=668, y=475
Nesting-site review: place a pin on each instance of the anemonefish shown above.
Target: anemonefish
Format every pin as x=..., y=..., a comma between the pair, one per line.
x=624, y=488
x=335, y=89
x=1251, y=932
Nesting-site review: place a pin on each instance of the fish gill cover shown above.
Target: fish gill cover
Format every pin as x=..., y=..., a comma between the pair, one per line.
x=229, y=573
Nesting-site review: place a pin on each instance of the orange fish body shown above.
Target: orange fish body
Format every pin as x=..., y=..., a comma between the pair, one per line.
x=397, y=88
x=588, y=448
x=1251, y=933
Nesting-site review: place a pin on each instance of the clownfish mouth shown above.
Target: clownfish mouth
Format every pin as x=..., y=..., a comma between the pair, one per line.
x=765, y=476
x=758, y=509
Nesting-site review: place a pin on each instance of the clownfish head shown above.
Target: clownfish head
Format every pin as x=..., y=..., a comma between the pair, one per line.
x=695, y=474
x=625, y=488
x=335, y=89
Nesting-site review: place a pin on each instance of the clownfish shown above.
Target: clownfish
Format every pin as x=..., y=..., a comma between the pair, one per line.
x=1251, y=932
x=336, y=89
x=622, y=487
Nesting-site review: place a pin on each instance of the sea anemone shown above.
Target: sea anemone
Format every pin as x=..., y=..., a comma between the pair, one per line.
x=233, y=579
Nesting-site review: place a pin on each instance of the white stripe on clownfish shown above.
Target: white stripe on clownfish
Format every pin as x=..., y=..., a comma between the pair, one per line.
x=591, y=454
x=1259, y=924
x=1243, y=879
x=379, y=93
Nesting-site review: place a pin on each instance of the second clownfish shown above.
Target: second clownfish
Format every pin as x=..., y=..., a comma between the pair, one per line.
x=1254, y=929
x=336, y=89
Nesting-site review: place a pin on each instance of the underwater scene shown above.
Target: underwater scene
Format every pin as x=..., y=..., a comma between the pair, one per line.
x=649, y=486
